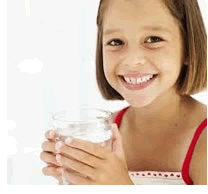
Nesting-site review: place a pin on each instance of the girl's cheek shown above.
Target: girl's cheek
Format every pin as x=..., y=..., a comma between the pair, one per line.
x=109, y=59
x=112, y=58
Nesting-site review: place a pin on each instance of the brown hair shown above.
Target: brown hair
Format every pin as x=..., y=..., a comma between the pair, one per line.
x=193, y=76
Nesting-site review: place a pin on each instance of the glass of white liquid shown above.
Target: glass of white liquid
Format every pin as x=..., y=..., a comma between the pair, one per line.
x=90, y=124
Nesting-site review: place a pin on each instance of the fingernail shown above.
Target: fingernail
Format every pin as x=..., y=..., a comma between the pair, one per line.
x=114, y=125
x=51, y=134
x=58, y=145
x=68, y=140
x=58, y=159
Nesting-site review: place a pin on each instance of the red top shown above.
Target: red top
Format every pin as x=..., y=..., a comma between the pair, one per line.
x=186, y=163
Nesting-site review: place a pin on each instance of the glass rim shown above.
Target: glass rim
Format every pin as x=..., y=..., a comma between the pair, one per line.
x=108, y=114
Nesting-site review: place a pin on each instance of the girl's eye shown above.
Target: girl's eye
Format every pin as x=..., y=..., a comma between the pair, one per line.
x=115, y=42
x=155, y=38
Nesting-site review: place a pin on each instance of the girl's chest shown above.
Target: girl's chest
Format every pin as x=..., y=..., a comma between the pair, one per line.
x=161, y=153
x=165, y=152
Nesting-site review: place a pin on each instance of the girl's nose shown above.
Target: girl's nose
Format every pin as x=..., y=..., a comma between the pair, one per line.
x=134, y=58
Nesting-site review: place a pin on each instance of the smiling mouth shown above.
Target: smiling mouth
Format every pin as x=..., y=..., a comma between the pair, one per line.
x=122, y=77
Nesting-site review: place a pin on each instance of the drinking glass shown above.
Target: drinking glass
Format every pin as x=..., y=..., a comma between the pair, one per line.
x=86, y=123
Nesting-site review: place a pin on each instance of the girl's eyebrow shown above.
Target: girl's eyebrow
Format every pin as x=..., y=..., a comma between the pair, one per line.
x=152, y=28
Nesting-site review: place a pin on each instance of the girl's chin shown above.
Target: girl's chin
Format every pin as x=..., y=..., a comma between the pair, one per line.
x=138, y=101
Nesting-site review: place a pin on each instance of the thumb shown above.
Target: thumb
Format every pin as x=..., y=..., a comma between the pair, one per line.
x=117, y=146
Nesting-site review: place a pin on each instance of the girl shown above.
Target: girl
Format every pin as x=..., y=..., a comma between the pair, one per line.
x=153, y=55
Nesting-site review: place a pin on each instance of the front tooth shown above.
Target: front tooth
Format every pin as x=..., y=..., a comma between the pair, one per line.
x=133, y=80
x=148, y=77
x=143, y=79
x=127, y=79
x=139, y=80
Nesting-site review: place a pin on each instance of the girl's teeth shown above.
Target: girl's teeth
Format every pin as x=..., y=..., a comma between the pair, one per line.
x=133, y=80
x=127, y=79
x=144, y=79
x=138, y=80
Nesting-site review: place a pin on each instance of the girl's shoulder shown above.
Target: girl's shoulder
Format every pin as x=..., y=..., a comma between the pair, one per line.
x=198, y=160
x=199, y=111
x=193, y=113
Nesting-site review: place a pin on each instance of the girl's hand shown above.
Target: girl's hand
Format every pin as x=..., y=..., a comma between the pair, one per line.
x=49, y=156
x=98, y=165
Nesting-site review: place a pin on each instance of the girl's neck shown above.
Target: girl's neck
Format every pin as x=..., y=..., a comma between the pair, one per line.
x=164, y=113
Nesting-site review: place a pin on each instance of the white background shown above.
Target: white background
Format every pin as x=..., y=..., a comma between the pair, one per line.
x=51, y=66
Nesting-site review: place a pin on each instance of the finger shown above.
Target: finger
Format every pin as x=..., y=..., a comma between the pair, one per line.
x=117, y=143
x=92, y=148
x=52, y=165
x=76, y=166
x=51, y=135
x=108, y=144
x=51, y=171
x=49, y=158
x=48, y=146
x=78, y=154
x=60, y=179
x=54, y=172
x=115, y=130
x=77, y=178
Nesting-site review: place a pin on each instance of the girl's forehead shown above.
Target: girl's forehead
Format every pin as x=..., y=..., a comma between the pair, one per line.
x=137, y=12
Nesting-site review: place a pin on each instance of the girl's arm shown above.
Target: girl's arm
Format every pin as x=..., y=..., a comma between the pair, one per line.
x=198, y=164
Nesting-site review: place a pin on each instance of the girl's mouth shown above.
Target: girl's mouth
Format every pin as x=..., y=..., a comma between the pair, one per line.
x=137, y=86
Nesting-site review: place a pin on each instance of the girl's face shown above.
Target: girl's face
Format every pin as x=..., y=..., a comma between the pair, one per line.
x=141, y=36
